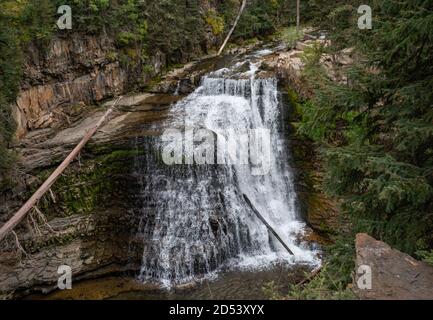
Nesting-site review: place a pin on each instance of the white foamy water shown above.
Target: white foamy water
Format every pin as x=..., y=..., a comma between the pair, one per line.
x=200, y=221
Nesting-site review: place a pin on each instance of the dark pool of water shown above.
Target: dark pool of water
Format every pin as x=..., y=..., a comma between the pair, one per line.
x=233, y=285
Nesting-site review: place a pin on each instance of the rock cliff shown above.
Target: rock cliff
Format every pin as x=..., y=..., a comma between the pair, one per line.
x=77, y=70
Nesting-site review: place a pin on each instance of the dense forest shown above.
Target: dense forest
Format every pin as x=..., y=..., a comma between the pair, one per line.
x=373, y=129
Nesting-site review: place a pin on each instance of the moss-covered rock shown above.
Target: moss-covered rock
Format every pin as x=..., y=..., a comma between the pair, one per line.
x=88, y=184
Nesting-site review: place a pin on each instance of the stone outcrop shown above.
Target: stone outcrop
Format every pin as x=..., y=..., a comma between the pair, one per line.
x=93, y=244
x=395, y=275
x=289, y=65
x=38, y=106
x=79, y=69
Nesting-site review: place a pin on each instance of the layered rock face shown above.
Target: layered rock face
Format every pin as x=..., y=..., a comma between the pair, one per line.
x=89, y=221
x=53, y=111
x=91, y=245
x=91, y=210
x=78, y=69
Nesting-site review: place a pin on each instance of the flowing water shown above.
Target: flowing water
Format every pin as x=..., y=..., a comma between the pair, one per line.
x=194, y=219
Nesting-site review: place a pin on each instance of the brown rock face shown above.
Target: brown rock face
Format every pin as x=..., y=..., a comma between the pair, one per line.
x=38, y=105
x=395, y=275
x=93, y=221
x=96, y=244
x=80, y=69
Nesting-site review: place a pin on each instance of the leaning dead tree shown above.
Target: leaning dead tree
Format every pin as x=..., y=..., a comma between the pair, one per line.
x=45, y=187
x=241, y=10
x=263, y=220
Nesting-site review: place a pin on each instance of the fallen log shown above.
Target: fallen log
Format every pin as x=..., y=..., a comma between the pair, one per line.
x=241, y=10
x=248, y=201
x=310, y=277
x=21, y=213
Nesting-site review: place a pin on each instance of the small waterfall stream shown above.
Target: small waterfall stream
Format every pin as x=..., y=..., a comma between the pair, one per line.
x=194, y=218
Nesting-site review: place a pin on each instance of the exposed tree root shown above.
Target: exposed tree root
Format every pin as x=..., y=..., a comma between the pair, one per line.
x=18, y=244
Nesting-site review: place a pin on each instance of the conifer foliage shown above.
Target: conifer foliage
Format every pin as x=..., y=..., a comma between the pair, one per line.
x=377, y=127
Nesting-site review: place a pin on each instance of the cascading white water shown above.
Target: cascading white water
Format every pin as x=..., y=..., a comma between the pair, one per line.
x=199, y=221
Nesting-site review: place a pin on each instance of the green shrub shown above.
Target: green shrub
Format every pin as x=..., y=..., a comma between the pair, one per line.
x=290, y=36
x=215, y=22
x=376, y=128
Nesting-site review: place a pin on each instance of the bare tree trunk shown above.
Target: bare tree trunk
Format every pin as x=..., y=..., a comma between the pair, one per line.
x=244, y=3
x=298, y=16
x=21, y=213
x=250, y=204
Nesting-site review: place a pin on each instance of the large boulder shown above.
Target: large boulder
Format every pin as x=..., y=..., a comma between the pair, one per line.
x=395, y=275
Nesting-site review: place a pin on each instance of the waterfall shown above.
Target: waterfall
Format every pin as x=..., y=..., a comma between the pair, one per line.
x=194, y=218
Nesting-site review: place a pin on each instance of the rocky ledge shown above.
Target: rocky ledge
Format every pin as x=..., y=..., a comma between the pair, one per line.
x=89, y=220
x=395, y=275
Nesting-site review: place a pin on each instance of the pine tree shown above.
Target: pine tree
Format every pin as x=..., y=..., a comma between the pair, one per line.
x=378, y=126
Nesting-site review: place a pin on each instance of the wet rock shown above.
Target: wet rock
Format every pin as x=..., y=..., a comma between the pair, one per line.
x=38, y=270
x=288, y=67
x=185, y=87
x=128, y=101
x=320, y=211
x=395, y=275
x=312, y=237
